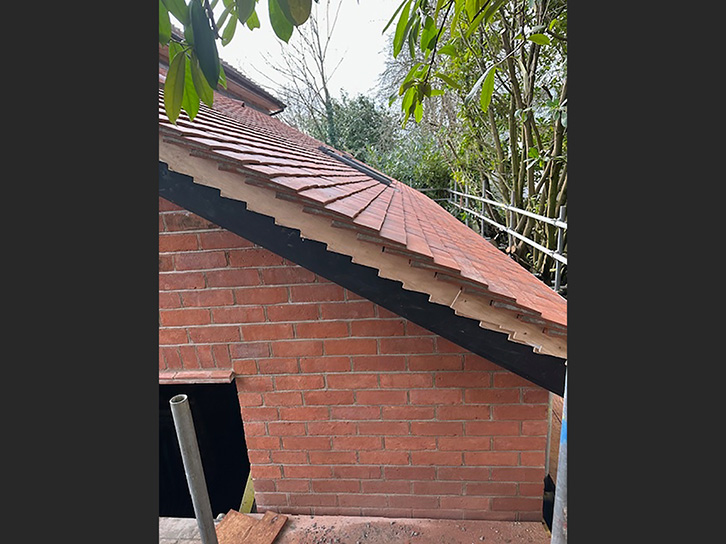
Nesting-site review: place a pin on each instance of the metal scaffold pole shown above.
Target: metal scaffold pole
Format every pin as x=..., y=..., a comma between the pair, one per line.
x=184, y=425
x=559, y=517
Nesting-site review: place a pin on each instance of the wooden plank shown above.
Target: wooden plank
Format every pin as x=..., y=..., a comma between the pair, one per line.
x=248, y=498
x=265, y=530
x=234, y=527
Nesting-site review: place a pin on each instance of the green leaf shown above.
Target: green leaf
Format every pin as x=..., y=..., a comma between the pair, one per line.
x=205, y=45
x=408, y=99
x=487, y=88
x=429, y=33
x=540, y=39
x=178, y=9
x=253, y=21
x=533, y=153
x=418, y=112
x=174, y=86
x=164, y=24
x=280, y=24
x=222, y=78
x=203, y=90
x=448, y=49
x=228, y=32
x=403, y=24
x=394, y=16
x=448, y=80
x=296, y=11
x=190, y=100
x=245, y=8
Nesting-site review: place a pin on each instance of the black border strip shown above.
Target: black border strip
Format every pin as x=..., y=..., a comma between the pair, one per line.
x=544, y=370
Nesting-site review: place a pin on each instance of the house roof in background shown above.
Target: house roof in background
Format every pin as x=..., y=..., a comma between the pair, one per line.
x=282, y=173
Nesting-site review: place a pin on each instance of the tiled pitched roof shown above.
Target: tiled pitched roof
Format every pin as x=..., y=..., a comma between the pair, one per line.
x=393, y=228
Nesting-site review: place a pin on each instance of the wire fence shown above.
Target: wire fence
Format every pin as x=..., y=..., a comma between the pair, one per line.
x=559, y=254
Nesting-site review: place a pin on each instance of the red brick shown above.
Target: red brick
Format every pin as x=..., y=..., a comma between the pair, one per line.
x=463, y=379
x=438, y=488
x=379, y=363
x=491, y=428
x=262, y=442
x=477, y=363
x=318, y=292
x=313, y=499
x=331, y=428
x=333, y=457
x=283, y=365
x=410, y=473
x=181, y=317
x=171, y=357
x=493, y=488
x=376, y=457
x=435, y=362
x=184, y=220
x=265, y=485
x=220, y=355
x=360, y=500
x=292, y=312
x=407, y=345
x=383, y=428
x=336, y=486
x=409, y=443
x=347, y=310
x=352, y=380
x=244, y=367
x=286, y=428
x=527, y=490
x=322, y=329
x=355, y=412
x=329, y=398
x=491, y=458
x=167, y=206
x=510, y=474
x=265, y=472
x=249, y=350
x=166, y=263
x=259, y=414
x=291, y=486
x=535, y=396
x=297, y=348
x=304, y=413
x=465, y=443
x=519, y=411
x=278, y=499
x=253, y=257
x=307, y=471
x=408, y=412
x=231, y=277
x=169, y=300
x=406, y=381
x=386, y=398
x=516, y=504
x=445, y=346
x=254, y=429
x=188, y=356
x=383, y=486
x=377, y=327
x=200, y=260
x=306, y=443
x=466, y=474
x=222, y=239
x=324, y=364
x=532, y=458
x=172, y=336
x=214, y=333
x=534, y=428
x=466, y=413
x=249, y=399
x=238, y=314
x=285, y=398
x=350, y=346
x=267, y=331
x=519, y=443
x=435, y=397
x=172, y=281
x=363, y=472
x=466, y=503
x=302, y=382
x=491, y=396
x=208, y=297
x=260, y=295
x=178, y=242
x=357, y=443
x=436, y=458
x=286, y=275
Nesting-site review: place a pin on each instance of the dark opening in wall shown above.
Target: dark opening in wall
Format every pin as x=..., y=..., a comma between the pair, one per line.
x=220, y=435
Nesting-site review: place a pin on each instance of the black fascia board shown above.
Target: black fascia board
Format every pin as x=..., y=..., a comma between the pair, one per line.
x=544, y=370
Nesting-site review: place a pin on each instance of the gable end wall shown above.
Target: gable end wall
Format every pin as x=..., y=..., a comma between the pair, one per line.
x=348, y=408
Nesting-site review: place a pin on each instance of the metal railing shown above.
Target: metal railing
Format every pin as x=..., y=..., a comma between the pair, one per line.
x=558, y=255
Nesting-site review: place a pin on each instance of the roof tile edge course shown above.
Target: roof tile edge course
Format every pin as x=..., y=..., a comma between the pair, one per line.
x=204, y=170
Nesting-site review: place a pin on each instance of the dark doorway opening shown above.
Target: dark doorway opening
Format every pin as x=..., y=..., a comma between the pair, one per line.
x=220, y=435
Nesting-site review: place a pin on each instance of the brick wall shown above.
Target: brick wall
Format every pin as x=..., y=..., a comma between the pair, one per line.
x=347, y=407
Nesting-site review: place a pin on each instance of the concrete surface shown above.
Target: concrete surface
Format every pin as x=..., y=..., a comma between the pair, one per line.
x=374, y=530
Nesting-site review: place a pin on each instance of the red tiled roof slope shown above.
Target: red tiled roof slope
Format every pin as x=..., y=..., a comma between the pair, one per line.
x=400, y=219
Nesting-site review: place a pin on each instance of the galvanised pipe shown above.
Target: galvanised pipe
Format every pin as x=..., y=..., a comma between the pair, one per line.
x=559, y=517
x=184, y=425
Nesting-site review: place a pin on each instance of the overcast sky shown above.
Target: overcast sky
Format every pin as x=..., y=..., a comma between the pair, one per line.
x=357, y=39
